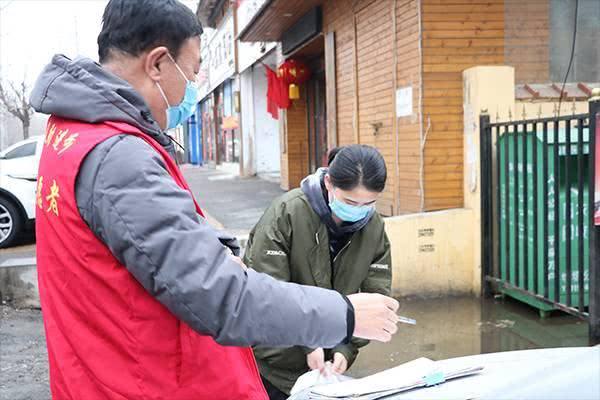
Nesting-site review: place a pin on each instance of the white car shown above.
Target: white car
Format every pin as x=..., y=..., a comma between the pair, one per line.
x=18, y=181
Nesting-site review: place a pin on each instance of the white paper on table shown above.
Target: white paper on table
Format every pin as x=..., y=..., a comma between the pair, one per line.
x=403, y=377
x=392, y=381
x=316, y=378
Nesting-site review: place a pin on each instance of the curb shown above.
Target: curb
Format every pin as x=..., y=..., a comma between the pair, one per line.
x=213, y=221
x=17, y=262
x=19, y=285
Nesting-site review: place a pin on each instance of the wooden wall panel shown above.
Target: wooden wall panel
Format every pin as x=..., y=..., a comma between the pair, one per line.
x=375, y=62
x=457, y=34
x=296, y=156
x=366, y=84
x=527, y=46
x=338, y=17
x=435, y=41
x=408, y=74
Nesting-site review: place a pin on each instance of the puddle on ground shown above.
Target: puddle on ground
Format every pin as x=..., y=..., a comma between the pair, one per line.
x=461, y=326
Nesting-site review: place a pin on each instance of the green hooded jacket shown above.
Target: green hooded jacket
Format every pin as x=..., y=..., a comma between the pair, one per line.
x=291, y=243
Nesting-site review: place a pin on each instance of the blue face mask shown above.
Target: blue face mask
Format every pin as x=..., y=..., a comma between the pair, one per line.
x=347, y=212
x=177, y=115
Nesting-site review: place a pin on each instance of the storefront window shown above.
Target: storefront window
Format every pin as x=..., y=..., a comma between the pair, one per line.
x=229, y=145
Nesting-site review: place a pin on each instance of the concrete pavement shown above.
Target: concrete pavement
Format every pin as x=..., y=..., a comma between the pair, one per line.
x=18, y=274
x=232, y=202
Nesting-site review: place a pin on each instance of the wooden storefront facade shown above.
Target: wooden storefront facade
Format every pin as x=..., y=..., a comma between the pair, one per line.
x=374, y=51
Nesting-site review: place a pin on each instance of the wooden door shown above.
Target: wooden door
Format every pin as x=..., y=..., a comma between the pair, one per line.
x=317, y=122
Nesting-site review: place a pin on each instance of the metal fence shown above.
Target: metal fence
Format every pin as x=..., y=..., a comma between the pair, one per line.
x=537, y=203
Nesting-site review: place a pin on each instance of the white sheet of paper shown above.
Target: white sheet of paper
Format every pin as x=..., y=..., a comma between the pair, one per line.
x=401, y=377
x=316, y=378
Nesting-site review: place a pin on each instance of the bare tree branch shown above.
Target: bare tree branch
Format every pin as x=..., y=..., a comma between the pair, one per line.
x=16, y=93
x=17, y=104
x=7, y=101
x=17, y=100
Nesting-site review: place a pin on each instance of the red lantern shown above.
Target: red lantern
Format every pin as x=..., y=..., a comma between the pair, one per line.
x=293, y=73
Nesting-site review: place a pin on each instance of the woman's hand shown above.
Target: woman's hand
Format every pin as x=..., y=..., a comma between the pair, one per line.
x=340, y=364
x=316, y=359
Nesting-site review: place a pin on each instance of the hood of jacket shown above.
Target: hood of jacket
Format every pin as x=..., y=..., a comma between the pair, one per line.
x=83, y=90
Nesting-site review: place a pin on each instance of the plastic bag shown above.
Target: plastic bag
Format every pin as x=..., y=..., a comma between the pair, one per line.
x=316, y=378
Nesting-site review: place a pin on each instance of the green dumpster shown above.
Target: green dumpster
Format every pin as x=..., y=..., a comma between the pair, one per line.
x=514, y=245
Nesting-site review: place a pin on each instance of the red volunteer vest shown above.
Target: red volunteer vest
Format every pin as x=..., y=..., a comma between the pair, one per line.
x=107, y=337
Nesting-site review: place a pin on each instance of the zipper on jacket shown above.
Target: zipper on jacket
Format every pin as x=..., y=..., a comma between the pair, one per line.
x=341, y=250
x=333, y=270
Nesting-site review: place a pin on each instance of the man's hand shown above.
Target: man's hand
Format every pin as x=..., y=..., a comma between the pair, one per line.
x=340, y=364
x=316, y=359
x=374, y=316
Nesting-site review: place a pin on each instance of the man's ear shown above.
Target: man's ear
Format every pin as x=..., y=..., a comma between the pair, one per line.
x=328, y=184
x=154, y=61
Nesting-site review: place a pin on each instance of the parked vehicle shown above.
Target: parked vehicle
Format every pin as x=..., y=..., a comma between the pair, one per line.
x=18, y=180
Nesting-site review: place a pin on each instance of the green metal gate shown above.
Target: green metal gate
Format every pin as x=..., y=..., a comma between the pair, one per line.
x=539, y=244
x=520, y=251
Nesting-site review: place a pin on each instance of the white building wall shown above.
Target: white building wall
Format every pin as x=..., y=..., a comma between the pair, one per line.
x=267, y=147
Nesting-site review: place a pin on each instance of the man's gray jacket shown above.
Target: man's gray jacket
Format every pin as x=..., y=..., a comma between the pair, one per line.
x=131, y=203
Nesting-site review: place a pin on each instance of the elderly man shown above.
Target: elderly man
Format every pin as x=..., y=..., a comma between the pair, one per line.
x=141, y=298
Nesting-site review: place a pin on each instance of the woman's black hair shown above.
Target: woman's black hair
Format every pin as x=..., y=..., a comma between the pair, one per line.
x=354, y=165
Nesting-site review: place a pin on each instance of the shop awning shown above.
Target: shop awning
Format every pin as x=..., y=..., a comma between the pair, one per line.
x=274, y=18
